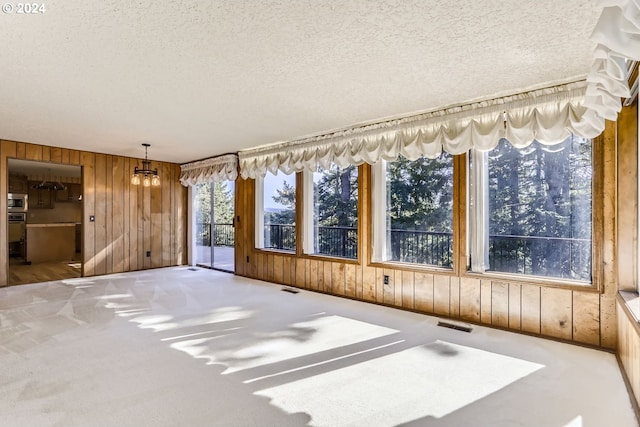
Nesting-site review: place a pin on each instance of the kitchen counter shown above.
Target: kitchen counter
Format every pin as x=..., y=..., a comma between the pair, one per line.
x=51, y=242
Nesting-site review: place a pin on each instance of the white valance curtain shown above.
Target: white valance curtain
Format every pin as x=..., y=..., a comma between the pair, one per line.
x=617, y=34
x=547, y=115
x=221, y=168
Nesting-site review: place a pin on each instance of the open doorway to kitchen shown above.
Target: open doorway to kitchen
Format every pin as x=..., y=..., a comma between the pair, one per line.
x=44, y=221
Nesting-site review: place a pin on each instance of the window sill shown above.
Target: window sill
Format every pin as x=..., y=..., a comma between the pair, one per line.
x=534, y=280
x=420, y=268
x=320, y=257
x=630, y=301
x=276, y=251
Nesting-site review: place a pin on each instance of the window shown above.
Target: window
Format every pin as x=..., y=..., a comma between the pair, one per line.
x=276, y=212
x=331, y=212
x=538, y=203
x=413, y=211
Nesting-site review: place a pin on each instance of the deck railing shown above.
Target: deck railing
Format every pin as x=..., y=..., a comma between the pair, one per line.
x=544, y=256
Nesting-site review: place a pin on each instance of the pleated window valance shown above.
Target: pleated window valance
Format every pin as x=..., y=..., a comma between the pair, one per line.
x=617, y=34
x=221, y=168
x=547, y=115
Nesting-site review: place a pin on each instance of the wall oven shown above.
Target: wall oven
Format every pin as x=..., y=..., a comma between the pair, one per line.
x=17, y=202
x=17, y=234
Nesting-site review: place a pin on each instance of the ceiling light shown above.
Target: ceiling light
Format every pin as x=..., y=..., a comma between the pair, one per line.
x=149, y=176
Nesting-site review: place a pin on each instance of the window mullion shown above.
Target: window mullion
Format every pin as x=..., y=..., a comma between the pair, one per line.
x=379, y=210
x=308, y=238
x=479, y=219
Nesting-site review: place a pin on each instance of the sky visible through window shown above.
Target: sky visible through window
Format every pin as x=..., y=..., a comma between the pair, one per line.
x=272, y=183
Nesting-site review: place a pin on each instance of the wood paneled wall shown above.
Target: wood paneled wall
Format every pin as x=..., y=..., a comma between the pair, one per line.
x=129, y=220
x=569, y=313
x=629, y=348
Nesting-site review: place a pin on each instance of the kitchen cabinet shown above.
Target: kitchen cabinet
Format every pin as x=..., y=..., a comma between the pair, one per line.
x=40, y=198
x=18, y=184
x=50, y=242
x=71, y=193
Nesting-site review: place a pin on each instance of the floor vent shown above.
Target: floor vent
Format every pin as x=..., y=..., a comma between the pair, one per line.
x=455, y=326
x=192, y=269
x=291, y=291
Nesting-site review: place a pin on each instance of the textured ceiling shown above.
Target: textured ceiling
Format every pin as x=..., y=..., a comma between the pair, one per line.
x=197, y=79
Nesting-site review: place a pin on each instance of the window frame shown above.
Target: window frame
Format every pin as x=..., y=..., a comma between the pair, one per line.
x=305, y=212
x=597, y=231
x=259, y=218
x=377, y=221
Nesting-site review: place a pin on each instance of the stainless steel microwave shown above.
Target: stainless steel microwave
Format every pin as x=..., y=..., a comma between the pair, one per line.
x=17, y=202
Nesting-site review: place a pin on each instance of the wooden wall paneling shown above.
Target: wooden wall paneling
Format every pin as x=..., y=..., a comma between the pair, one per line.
x=530, y=308
x=144, y=239
x=608, y=321
x=65, y=156
x=240, y=236
x=460, y=220
x=110, y=198
x=326, y=276
x=126, y=201
x=164, y=169
x=89, y=209
x=315, y=270
x=156, y=226
x=441, y=294
x=423, y=289
x=515, y=311
x=397, y=288
x=338, y=278
x=21, y=150
x=586, y=317
x=364, y=214
x=556, y=312
x=485, y=301
x=627, y=197
x=278, y=269
x=116, y=211
x=7, y=150
x=369, y=284
x=134, y=223
x=470, y=299
x=454, y=297
x=55, y=155
x=287, y=270
x=33, y=152
x=628, y=349
x=101, y=192
x=260, y=264
x=500, y=304
x=300, y=272
x=74, y=157
x=350, y=280
x=46, y=153
x=408, y=289
x=388, y=291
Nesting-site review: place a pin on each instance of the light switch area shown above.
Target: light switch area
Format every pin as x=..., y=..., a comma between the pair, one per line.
x=92, y=218
x=385, y=279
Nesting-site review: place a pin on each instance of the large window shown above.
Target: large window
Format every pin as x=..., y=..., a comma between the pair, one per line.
x=276, y=212
x=214, y=231
x=538, y=209
x=331, y=212
x=413, y=211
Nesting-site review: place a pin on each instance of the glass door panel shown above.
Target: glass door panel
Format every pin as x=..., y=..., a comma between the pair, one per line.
x=222, y=230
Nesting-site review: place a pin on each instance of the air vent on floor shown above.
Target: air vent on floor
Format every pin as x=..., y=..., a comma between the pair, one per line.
x=291, y=291
x=456, y=326
x=192, y=269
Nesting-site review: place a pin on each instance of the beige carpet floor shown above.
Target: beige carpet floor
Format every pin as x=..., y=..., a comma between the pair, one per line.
x=176, y=347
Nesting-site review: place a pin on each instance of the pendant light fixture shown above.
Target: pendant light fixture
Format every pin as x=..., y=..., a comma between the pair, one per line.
x=149, y=176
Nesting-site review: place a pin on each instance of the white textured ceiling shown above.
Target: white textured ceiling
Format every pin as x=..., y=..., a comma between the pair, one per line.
x=197, y=79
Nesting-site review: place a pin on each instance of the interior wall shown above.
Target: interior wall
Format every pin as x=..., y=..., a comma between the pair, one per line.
x=628, y=347
x=129, y=220
x=569, y=313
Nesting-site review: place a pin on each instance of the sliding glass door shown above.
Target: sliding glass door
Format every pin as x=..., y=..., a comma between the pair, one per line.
x=214, y=206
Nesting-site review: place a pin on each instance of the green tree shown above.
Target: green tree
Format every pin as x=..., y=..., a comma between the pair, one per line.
x=285, y=196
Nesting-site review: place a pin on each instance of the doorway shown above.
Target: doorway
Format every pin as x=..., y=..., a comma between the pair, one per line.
x=215, y=230
x=44, y=220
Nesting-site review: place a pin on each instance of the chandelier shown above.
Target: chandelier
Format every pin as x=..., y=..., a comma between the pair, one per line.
x=149, y=176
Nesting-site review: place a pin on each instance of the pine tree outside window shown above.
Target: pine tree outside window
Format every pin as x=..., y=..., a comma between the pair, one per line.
x=531, y=210
x=413, y=211
x=331, y=212
x=276, y=212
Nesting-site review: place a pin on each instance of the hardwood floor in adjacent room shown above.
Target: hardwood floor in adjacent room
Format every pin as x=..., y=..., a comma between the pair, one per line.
x=20, y=274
